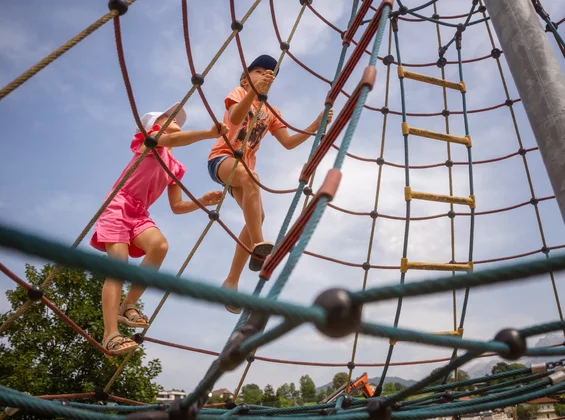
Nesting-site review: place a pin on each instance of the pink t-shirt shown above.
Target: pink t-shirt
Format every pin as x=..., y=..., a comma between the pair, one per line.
x=266, y=120
x=149, y=179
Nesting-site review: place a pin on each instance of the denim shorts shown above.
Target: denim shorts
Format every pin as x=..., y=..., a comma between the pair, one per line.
x=213, y=165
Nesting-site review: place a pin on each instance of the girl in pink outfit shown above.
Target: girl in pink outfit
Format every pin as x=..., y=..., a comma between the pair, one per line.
x=125, y=228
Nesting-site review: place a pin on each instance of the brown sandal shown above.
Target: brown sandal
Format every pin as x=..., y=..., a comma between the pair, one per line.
x=262, y=249
x=115, y=344
x=132, y=320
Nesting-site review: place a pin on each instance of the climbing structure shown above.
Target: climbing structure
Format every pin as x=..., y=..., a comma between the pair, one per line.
x=336, y=312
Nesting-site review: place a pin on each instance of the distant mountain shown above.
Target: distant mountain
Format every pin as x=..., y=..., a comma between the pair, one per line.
x=484, y=366
x=375, y=380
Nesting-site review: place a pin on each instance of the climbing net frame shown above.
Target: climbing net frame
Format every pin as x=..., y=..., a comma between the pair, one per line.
x=335, y=313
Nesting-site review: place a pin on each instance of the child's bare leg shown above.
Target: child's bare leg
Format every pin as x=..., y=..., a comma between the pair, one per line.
x=250, y=197
x=240, y=256
x=155, y=246
x=112, y=293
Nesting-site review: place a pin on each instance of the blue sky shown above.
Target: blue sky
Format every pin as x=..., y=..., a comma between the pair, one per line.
x=70, y=128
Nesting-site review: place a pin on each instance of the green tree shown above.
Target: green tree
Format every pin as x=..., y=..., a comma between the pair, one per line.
x=307, y=387
x=283, y=403
x=560, y=410
x=294, y=393
x=389, y=389
x=463, y=376
x=502, y=367
x=527, y=412
x=339, y=379
x=41, y=354
x=439, y=381
x=251, y=394
x=399, y=387
x=323, y=393
x=269, y=396
x=283, y=391
x=214, y=399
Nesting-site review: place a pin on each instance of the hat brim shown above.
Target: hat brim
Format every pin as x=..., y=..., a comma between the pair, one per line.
x=265, y=61
x=181, y=115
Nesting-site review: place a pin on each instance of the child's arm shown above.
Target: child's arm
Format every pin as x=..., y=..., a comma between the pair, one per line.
x=238, y=111
x=184, y=138
x=290, y=142
x=181, y=207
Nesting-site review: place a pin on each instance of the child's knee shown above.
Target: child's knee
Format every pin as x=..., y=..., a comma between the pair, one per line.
x=249, y=184
x=159, y=247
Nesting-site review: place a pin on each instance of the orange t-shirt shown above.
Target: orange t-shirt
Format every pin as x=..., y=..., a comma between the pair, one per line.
x=266, y=121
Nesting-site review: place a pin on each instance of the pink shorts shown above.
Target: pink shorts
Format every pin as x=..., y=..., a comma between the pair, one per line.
x=123, y=219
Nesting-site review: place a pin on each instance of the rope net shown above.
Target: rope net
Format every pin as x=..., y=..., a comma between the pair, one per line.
x=373, y=37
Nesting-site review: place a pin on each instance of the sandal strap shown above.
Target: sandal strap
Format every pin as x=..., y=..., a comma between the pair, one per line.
x=115, y=340
x=132, y=317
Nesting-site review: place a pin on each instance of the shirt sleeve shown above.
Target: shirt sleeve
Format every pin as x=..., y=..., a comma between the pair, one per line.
x=138, y=138
x=234, y=97
x=275, y=123
x=179, y=172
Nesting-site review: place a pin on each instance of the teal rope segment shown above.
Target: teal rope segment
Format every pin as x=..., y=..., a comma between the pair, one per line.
x=494, y=397
x=555, y=351
x=498, y=388
x=319, y=133
x=204, y=387
x=268, y=336
x=292, y=208
x=461, y=407
x=122, y=408
x=72, y=257
x=402, y=334
x=298, y=250
x=423, y=414
x=407, y=218
x=146, y=276
x=555, y=32
x=451, y=25
x=245, y=313
x=470, y=166
x=516, y=272
x=542, y=329
x=11, y=398
x=488, y=378
x=351, y=128
x=440, y=373
x=233, y=411
x=423, y=6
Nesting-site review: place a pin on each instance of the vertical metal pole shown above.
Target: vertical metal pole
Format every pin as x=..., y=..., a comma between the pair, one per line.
x=539, y=79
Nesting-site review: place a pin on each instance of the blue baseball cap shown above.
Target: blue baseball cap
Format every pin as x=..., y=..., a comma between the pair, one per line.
x=265, y=61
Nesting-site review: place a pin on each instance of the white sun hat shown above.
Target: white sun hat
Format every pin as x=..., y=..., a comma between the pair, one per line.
x=148, y=120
